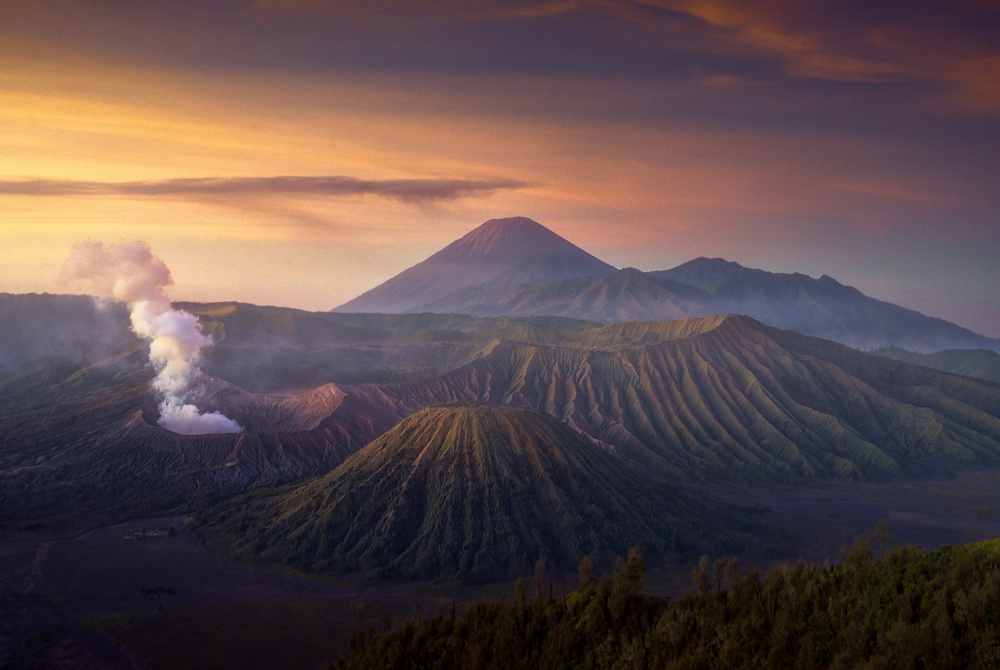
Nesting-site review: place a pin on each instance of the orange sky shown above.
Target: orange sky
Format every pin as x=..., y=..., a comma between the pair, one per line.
x=840, y=138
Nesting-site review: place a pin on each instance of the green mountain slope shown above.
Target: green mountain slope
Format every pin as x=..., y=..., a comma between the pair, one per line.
x=78, y=420
x=478, y=492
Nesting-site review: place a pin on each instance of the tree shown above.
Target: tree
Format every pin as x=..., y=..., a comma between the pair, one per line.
x=883, y=531
x=588, y=575
x=539, y=578
x=719, y=568
x=699, y=575
x=520, y=591
x=633, y=574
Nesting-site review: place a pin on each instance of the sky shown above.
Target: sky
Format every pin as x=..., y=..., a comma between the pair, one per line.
x=299, y=152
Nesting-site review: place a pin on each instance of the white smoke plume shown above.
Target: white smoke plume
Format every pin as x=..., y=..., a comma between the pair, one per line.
x=130, y=272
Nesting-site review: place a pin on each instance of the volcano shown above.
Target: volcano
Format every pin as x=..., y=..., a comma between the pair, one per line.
x=473, y=491
x=496, y=256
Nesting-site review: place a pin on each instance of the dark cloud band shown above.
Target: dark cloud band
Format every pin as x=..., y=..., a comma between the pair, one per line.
x=405, y=190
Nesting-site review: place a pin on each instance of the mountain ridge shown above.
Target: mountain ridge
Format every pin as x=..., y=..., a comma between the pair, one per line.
x=718, y=399
x=574, y=284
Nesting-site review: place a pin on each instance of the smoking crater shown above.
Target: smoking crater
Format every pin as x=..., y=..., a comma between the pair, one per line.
x=131, y=273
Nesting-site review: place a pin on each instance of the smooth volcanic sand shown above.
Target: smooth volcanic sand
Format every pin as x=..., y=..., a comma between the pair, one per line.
x=813, y=521
x=50, y=588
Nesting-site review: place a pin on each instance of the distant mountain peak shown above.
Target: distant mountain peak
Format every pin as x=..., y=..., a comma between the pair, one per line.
x=713, y=260
x=509, y=240
x=485, y=254
x=515, y=222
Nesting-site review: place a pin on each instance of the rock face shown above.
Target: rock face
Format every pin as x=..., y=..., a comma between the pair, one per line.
x=479, y=492
x=505, y=251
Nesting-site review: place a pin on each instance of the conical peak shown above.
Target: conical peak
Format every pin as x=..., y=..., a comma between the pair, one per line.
x=488, y=253
x=512, y=222
x=510, y=240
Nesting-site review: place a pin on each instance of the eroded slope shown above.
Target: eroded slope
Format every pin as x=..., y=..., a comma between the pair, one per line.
x=475, y=491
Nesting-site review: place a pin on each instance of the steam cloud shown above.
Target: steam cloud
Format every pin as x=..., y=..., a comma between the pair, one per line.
x=130, y=272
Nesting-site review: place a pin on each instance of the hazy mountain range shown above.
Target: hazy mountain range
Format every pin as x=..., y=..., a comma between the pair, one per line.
x=516, y=267
x=544, y=421
x=718, y=399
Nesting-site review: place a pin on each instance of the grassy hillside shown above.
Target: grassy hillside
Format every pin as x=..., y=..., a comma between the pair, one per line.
x=478, y=492
x=914, y=609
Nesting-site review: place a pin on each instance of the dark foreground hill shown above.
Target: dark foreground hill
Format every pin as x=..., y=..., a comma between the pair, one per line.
x=914, y=609
x=474, y=492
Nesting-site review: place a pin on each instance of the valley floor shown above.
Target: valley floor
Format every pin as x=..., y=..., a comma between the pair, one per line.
x=61, y=596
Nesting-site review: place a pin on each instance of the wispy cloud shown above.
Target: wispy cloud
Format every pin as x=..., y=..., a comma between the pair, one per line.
x=857, y=42
x=414, y=191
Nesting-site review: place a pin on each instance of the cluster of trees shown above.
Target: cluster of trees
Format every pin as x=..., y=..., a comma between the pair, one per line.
x=911, y=609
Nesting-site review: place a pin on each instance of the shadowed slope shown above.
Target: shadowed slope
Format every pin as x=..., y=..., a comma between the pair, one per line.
x=75, y=329
x=83, y=438
x=475, y=491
